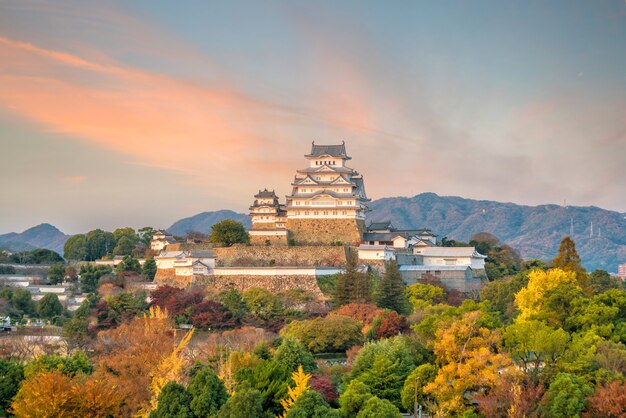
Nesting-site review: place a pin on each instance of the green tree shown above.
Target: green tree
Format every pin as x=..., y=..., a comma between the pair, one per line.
x=145, y=235
x=149, y=269
x=173, y=402
x=535, y=346
x=600, y=281
x=391, y=292
x=128, y=263
x=566, y=397
x=49, y=306
x=75, y=247
x=56, y=273
x=126, y=240
x=354, y=397
x=234, y=302
x=311, y=405
x=228, y=232
x=263, y=304
x=22, y=301
x=352, y=286
x=89, y=276
x=245, y=403
x=11, y=374
x=292, y=354
x=421, y=376
x=208, y=393
x=71, y=366
x=422, y=295
x=379, y=408
x=330, y=334
x=99, y=243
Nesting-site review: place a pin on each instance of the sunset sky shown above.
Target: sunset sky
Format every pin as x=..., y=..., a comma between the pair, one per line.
x=144, y=112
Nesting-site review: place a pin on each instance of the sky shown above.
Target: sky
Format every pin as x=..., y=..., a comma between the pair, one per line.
x=140, y=113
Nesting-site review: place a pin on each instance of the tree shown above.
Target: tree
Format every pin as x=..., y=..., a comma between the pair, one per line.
x=56, y=273
x=149, y=269
x=354, y=397
x=293, y=354
x=11, y=375
x=391, y=292
x=311, y=405
x=71, y=366
x=46, y=394
x=379, y=408
x=128, y=263
x=228, y=232
x=22, y=300
x=49, y=306
x=323, y=385
x=608, y=401
x=352, y=286
x=145, y=234
x=263, y=304
x=421, y=376
x=99, y=243
x=126, y=241
x=173, y=402
x=89, y=276
x=470, y=359
x=208, y=393
x=331, y=334
x=566, y=397
x=535, y=345
x=301, y=385
x=600, y=281
x=234, y=302
x=75, y=248
x=245, y=403
x=421, y=295
x=530, y=300
x=567, y=258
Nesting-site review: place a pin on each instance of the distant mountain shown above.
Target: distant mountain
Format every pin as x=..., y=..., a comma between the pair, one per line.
x=535, y=231
x=203, y=222
x=40, y=236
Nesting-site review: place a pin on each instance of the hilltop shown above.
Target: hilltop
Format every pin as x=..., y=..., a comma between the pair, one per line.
x=40, y=236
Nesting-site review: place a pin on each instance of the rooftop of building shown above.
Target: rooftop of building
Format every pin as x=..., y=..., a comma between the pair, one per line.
x=451, y=252
x=337, y=151
x=265, y=194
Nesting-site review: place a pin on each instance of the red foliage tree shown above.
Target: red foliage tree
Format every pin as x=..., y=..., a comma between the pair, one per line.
x=391, y=323
x=608, y=401
x=211, y=314
x=362, y=312
x=524, y=398
x=324, y=386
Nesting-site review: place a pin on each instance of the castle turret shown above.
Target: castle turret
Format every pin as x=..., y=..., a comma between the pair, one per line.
x=268, y=219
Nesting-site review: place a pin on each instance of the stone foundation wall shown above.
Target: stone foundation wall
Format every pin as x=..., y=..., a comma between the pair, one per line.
x=326, y=231
x=261, y=240
x=262, y=255
x=274, y=284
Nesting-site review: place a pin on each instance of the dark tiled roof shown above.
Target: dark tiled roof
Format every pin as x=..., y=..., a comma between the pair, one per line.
x=389, y=236
x=265, y=194
x=338, y=151
x=381, y=226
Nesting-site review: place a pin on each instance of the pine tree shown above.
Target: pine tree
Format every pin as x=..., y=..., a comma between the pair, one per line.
x=352, y=286
x=391, y=293
x=568, y=259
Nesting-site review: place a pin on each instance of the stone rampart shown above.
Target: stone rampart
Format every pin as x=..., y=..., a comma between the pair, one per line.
x=274, y=284
x=264, y=239
x=268, y=255
x=325, y=231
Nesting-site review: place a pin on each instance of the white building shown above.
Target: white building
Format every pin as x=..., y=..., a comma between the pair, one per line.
x=451, y=256
x=327, y=188
x=160, y=240
x=185, y=260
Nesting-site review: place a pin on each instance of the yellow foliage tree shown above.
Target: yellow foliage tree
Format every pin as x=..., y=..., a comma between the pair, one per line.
x=301, y=381
x=530, y=299
x=469, y=360
x=169, y=369
x=45, y=395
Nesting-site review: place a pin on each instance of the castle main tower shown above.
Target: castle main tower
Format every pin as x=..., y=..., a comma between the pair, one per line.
x=328, y=200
